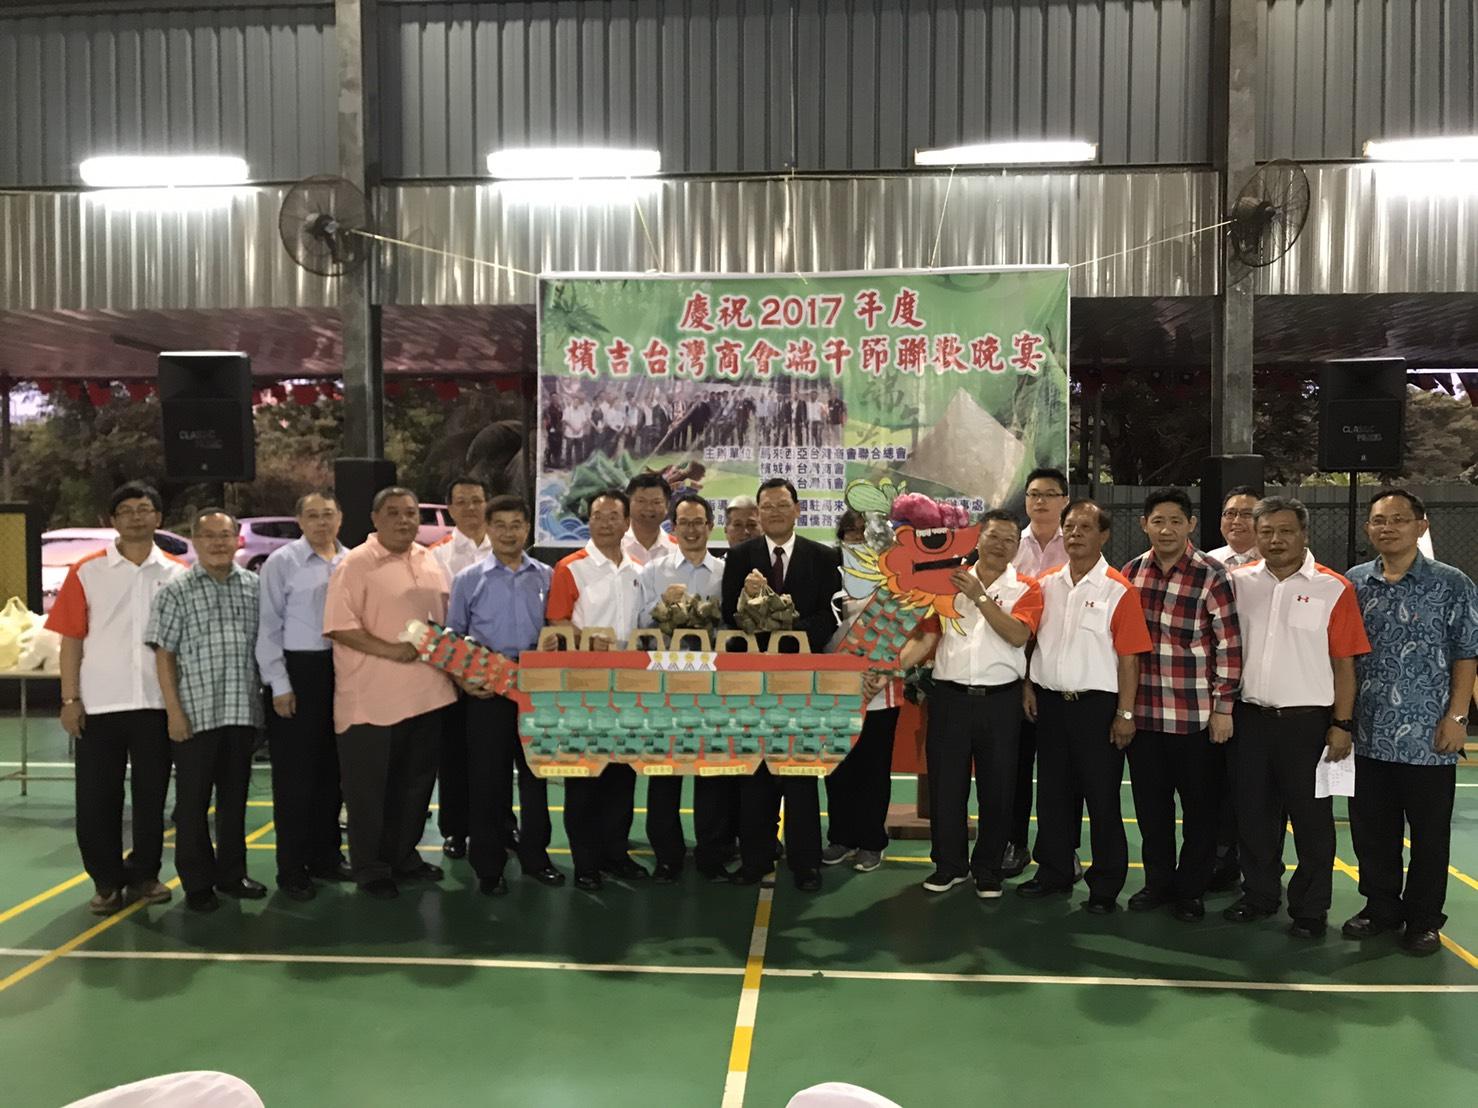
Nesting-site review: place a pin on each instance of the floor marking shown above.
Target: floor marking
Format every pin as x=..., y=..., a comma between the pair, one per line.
x=1453, y=870
x=742, y=1043
x=1353, y=873
x=96, y=929
x=1131, y=982
x=56, y=890
x=379, y=960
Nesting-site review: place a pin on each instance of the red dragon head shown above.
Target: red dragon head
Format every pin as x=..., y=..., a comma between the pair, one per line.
x=932, y=542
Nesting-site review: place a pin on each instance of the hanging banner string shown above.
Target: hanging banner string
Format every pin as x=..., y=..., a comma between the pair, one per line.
x=443, y=253
x=1156, y=242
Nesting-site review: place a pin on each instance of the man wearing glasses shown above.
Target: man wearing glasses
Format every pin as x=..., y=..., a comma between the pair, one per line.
x=1411, y=719
x=1236, y=528
x=1041, y=550
x=689, y=570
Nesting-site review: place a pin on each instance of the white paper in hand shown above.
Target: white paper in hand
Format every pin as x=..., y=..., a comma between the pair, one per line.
x=1334, y=778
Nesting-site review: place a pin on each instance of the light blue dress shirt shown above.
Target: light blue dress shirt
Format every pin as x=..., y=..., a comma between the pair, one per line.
x=705, y=578
x=294, y=584
x=501, y=608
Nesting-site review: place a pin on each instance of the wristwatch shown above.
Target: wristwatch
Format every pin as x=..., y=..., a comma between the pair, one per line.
x=1461, y=721
x=1122, y=714
x=68, y=701
x=1343, y=724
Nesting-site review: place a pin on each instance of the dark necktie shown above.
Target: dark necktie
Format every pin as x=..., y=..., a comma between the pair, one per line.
x=777, y=570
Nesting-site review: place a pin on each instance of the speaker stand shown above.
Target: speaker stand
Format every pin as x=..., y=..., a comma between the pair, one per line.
x=1354, y=510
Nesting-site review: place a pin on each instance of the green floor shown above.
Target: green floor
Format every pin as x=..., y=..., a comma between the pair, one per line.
x=630, y=997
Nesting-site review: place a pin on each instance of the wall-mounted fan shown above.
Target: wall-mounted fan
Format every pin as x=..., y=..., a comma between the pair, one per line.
x=1268, y=216
x=320, y=222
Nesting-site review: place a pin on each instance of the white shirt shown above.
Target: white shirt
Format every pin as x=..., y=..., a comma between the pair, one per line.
x=1086, y=628
x=1231, y=559
x=105, y=602
x=576, y=420
x=615, y=417
x=456, y=551
x=1290, y=631
x=632, y=547
x=590, y=590
x=977, y=655
x=1034, y=559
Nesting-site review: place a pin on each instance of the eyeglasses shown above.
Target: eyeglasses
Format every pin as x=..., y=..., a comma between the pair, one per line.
x=1390, y=521
x=1045, y=495
x=1237, y=513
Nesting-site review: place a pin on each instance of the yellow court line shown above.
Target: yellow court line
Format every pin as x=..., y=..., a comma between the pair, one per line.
x=742, y=1044
x=1353, y=873
x=1459, y=874
x=56, y=890
x=97, y=929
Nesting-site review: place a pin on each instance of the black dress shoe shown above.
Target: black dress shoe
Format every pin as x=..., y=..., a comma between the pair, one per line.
x=245, y=889
x=298, y=890
x=546, y=875
x=382, y=888
x=627, y=870
x=589, y=882
x=1189, y=911
x=1225, y=877
x=722, y=875
x=339, y=871
x=1036, y=888
x=808, y=880
x=1147, y=900
x=202, y=900
x=423, y=872
x=454, y=846
x=742, y=876
x=1423, y=940
x=1244, y=911
x=1101, y=905
x=667, y=875
x=488, y=887
x=1310, y=927
x=1364, y=927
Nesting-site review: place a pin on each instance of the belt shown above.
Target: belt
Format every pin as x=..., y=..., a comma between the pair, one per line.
x=1079, y=694
x=1300, y=710
x=975, y=690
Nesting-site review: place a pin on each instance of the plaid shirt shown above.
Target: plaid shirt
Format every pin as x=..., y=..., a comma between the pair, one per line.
x=211, y=629
x=1195, y=664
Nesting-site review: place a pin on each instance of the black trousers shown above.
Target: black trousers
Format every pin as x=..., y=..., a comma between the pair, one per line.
x=452, y=784
x=387, y=774
x=305, y=771
x=982, y=728
x=1226, y=805
x=1162, y=766
x=858, y=790
x=598, y=817
x=760, y=795
x=715, y=821
x=1274, y=762
x=1076, y=759
x=216, y=761
x=494, y=754
x=1021, y=807
x=1388, y=797
x=110, y=743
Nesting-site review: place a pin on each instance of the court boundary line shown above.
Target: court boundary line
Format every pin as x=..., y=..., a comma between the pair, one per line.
x=436, y=962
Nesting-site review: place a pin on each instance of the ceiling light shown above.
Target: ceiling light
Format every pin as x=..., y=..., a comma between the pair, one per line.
x=134, y=172
x=552, y=162
x=1449, y=148
x=1009, y=153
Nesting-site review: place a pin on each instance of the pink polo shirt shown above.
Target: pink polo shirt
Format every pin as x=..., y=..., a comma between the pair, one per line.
x=376, y=591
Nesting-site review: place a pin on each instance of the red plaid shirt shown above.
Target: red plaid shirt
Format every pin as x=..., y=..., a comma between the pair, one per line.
x=1195, y=664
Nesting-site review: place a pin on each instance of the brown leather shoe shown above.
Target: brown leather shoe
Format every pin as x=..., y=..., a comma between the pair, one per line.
x=105, y=902
x=152, y=891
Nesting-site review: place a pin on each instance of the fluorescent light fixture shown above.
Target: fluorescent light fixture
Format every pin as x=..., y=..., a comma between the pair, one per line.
x=1448, y=148
x=1009, y=153
x=164, y=201
x=576, y=194
x=183, y=171
x=564, y=162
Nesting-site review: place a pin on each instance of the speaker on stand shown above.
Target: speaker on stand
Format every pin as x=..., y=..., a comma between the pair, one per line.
x=1362, y=423
x=205, y=401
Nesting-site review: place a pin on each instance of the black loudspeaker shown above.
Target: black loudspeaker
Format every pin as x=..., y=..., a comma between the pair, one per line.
x=356, y=480
x=1223, y=472
x=205, y=397
x=1362, y=414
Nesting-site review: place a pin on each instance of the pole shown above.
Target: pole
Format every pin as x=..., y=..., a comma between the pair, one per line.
x=1354, y=511
x=6, y=492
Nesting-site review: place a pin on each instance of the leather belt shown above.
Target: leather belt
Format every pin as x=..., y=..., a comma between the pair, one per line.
x=975, y=690
x=1300, y=710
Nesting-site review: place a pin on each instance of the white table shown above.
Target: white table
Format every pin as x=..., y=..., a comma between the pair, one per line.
x=24, y=775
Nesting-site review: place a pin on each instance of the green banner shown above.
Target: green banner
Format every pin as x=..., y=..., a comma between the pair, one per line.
x=951, y=381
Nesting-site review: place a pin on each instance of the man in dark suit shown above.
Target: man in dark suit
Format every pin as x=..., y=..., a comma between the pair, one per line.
x=806, y=571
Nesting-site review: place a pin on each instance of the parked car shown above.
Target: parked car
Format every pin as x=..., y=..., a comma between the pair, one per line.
x=62, y=548
x=260, y=535
x=436, y=521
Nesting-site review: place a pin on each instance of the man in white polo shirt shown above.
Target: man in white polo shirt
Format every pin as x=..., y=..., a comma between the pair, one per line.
x=645, y=541
x=1084, y=681
x=1301, y=633
x=598, y=587
x=975, y=707
x=111, y=703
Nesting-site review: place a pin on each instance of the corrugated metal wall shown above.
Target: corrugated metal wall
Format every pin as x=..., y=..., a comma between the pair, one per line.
x=708, y=82
x=251, y=81
x=1338, y=72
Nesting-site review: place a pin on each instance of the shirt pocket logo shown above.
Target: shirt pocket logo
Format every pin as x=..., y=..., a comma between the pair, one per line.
x=1308, y=613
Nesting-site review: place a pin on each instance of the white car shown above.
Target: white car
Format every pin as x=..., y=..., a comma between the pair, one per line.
x=260, y=535
x=61, y=549
x=436, y=522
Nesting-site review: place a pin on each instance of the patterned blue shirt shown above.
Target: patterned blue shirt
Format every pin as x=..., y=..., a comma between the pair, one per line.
x=500, y=607
x=1418, y=627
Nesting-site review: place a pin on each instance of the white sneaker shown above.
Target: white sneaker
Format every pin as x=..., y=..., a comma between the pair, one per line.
x=868, y=860
x=835, y=854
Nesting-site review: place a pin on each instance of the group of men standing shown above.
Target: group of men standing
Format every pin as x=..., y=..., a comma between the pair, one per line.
x=1224, y=678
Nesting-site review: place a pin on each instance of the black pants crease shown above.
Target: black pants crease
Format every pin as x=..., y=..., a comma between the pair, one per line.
x=115, y=745
x=305, y=771
x=1389, y=798
x=387, y=774
x=1162, y=767
x=216, y=762
x=1076, y=759
x=858, y=790
x=494, y=758
x=966, y=729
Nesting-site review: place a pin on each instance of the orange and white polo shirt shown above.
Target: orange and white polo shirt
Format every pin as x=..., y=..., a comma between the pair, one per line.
x=1086, y=628
x=590, y=590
